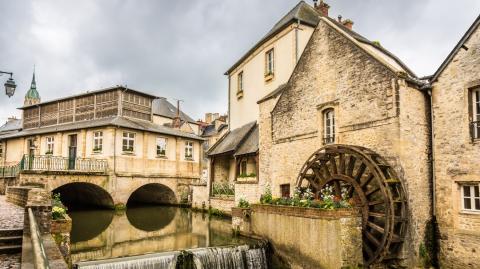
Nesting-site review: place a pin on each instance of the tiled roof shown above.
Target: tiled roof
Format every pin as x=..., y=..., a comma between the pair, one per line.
x=230, y=142
x=11, y=125
x=250, y=144
x=114, y=121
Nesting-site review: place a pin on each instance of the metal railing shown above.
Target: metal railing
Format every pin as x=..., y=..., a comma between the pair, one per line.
x=56, y=163
x=39, y=255
x=475, y=129
x=223, y=188
x=10, y=171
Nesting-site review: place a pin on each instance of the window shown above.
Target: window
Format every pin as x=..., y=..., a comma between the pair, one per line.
x=240, y=82
x=97, y=141
x=243, y=167
x=329, y=126
x=471, y=198
x=475, y=108
x=285, y=190
x=188, y=150
x=161, y=146
x=1, y=149
x=128, y=141
x=269, y=63
x=50, y=143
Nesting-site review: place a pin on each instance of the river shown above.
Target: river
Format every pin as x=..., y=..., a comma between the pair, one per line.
x=100, y=238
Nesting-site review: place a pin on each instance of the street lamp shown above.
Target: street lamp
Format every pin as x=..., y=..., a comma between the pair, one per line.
x=9, y=85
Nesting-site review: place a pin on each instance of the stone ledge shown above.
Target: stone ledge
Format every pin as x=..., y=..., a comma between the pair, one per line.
x=224, y=198
x=304, y=212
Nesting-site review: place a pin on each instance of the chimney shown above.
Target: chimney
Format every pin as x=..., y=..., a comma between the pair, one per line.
x=11, y=118
x=348, y=23
x=177, y=121
x=322, y=7
x=208, y=117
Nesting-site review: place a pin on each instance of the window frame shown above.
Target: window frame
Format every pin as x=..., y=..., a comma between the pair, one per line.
x=188, y=147
x=474, y=108
x=244, y=164
x=329, y=132
x=97, y=148
x=270, y=62
x=472, y=197
x=240, y=82
x=157, y=139
x=128, y=139
x=49, y=144
x=1, y=149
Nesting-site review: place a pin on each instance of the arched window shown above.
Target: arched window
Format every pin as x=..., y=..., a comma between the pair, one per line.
x=329, y=126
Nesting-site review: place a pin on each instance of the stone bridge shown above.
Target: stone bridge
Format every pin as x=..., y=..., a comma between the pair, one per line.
x=107, y=190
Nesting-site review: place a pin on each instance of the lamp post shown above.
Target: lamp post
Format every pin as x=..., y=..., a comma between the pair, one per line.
x=9, y=85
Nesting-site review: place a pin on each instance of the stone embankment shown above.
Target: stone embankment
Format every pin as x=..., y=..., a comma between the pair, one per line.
x=11, y=218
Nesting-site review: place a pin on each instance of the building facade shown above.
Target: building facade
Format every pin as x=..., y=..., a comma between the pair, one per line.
x=111, y=131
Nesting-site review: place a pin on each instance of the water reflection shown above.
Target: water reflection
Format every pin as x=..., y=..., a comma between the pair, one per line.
x=100, y=234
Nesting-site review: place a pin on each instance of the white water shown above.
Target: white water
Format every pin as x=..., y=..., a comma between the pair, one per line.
x=240, y=257
x=155, y=261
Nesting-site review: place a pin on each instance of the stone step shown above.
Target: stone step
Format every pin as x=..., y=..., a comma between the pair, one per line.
x=11, y=232
x=10, y=249
x=11, y=240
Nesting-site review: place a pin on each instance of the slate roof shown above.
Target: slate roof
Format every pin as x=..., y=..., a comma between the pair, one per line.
x=11, y=125
x=232, y=141
x=302, y=13
x=162, y=107
x=250, y=144
x=114, y=121
x=210, y=130
x=459, y=45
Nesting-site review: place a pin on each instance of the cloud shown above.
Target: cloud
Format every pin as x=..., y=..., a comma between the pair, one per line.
x=180, y=49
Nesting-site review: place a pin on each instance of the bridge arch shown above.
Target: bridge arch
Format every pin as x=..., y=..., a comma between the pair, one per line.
x=153, y=193
x=84, y=194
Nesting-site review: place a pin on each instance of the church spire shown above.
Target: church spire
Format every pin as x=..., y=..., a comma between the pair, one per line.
x=32, y=97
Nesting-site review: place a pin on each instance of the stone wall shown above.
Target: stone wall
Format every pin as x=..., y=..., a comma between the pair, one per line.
x=200, y=196
x=249, y=191
x=309, y=238
x=223, y=204
x=374, y=107
x=456, y=157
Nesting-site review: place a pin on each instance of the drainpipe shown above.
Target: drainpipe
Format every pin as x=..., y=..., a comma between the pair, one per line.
x=432, y=151
x=115, y=150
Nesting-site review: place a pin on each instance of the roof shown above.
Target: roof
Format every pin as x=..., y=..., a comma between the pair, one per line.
x=11, y=125
x=90, y=93
x=302, y=13
x=113, y=121
x=250, y=144
x=232, y=140
x=373, y=48
x=210, y=129
x=459, y=45
x=274, y=93
x=162, y=107
x=32, y=93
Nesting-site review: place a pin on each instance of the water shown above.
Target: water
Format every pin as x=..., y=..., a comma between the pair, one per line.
x=152, y=237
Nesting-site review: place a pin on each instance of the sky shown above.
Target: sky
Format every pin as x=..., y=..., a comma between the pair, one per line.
x=181, y=49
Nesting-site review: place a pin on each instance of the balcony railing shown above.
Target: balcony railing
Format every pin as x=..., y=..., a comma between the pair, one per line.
x=475, y=129
x=56, y=163
x=10, y=171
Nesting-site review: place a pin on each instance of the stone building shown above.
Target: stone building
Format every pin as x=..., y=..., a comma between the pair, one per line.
x=456, y=138
x=102, y=147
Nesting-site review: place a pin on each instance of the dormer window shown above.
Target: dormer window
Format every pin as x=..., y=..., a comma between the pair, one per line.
x=329, y=126
x=269, y=64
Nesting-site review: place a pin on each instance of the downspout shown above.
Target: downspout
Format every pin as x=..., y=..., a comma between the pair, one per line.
x=432, y=152
x=115, y=150
x=229, y=98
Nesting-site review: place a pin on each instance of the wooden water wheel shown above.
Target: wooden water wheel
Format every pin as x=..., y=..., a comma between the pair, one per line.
x=359, y=174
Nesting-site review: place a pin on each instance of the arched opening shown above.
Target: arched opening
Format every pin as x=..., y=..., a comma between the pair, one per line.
x=88, y=224
x=151, y=218
x=79, y=195
x=154, y=194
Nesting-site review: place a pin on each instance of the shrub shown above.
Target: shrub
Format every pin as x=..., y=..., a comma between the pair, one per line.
x=266, y=197
x=243, y=203
x=58, y=212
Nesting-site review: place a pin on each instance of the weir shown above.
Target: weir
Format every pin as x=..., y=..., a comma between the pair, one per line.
x=229, y=257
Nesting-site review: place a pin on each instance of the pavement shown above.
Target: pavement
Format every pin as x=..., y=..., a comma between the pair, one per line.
x=11, y=217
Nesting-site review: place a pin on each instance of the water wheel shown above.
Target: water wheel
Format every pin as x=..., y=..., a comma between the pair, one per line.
x=363, y=176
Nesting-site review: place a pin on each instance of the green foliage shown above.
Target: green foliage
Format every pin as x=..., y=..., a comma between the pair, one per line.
x=120, y=207
x=266, y=197
x=215, y=212
x=247, y=175
x=243, y=203
x=428, y=251
x=58, y=212
x=184, y=196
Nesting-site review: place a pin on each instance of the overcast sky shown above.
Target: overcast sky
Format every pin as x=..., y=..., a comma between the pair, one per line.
x=180, y=49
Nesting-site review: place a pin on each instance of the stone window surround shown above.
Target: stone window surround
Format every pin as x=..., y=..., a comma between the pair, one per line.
x=470, y=87
x=128, y=139
x=459, y=198
x=324, y=108
x=473, y=197
x=269, y=64
x=99, y=139
x=188, y=149
x=49, y=144
x=157, y=139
